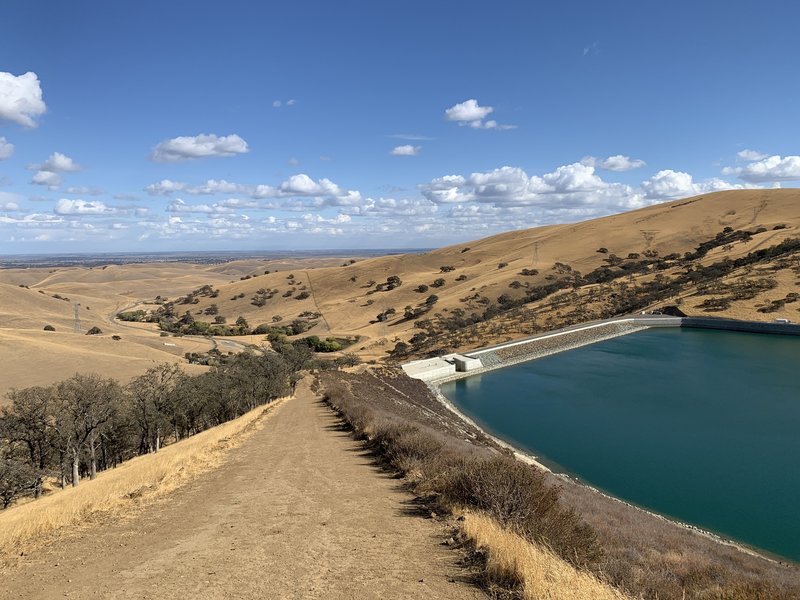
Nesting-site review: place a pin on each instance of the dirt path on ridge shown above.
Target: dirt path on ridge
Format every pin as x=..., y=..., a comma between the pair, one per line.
x=298, y=511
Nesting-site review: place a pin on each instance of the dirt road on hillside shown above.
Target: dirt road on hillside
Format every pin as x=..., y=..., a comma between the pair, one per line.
x=298, y=511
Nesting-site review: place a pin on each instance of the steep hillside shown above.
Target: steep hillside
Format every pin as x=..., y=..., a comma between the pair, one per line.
x=513, y=266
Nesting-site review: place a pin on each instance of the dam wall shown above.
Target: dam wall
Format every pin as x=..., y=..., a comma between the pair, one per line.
x=440, y=370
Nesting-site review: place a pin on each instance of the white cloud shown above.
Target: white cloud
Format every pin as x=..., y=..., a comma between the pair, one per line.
x=6, y=148
x=48, y=178
x=670, y=185
x=770, y=169
x=81, y=207
x=47, y=173
x=618, y=162
x=179, y=206
x=473, y=114
x=198, y=146
x=57, y=163
x=277, y=104
x=165, y=187
x=21, y=98
x=293, y=162
x=9, y=206
x=406, y=150
x=468, y=111
x=751, y=155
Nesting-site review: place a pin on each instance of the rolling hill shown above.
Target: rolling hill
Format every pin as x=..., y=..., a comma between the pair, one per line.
x=707, y=254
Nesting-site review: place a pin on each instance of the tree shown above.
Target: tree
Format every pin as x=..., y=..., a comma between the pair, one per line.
x=84, y=404
x=153, y=405
x=27, y=423
x=17, y=477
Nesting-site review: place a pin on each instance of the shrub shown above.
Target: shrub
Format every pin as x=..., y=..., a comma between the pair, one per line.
x=49, y=328
x=438, y=283
x=518, y=497
x=421, y=288
x=461, y=277
x=94, y=331
x=302, y=296
x=502, y=265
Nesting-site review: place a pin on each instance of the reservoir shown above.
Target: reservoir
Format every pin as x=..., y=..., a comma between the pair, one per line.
x=701, y=426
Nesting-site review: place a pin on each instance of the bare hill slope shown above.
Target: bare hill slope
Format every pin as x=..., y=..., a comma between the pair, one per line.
x=549, y=276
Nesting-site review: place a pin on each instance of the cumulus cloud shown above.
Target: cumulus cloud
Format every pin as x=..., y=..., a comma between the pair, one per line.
x=406, y=150
x=770, y=169
x=6, y=148
x=198, y=146
x=670, y=185
x=473, y=114
x=751, y=155
x=48, y=178
x=57, y=163
x=81, y=207
x=297, y=193
x=47, y=173
x=513, y=185
x=618, y=162
x=21, y=98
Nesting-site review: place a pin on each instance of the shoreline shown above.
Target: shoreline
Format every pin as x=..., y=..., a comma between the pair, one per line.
x=531, y=459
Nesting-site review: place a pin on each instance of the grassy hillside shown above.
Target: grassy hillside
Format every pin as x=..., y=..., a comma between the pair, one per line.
x=472, y=276
x=460, y=296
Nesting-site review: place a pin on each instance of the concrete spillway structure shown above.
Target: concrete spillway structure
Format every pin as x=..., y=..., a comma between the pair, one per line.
x=442, y=367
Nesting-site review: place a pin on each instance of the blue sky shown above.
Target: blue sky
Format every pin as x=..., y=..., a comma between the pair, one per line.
x=209, y=126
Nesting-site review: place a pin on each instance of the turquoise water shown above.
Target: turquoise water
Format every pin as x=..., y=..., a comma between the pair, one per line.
x=702, y=426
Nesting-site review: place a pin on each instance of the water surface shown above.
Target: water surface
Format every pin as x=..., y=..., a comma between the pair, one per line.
x=703, y=426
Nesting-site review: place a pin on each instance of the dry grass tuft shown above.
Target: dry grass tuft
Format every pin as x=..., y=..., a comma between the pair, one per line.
x=513, y=562
x=117, y=492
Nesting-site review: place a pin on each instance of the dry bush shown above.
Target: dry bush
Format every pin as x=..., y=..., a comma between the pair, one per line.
x=517, y=496
x=533, y=572
x=407, y=448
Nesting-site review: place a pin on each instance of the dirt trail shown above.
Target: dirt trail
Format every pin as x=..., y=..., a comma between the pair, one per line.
x=298, y=511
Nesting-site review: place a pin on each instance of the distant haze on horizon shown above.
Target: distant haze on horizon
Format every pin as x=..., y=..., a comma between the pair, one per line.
x=313, y=125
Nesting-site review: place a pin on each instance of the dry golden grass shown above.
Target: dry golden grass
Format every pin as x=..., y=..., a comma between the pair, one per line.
x=538, y=572
x=346, y=297
x=117, y=491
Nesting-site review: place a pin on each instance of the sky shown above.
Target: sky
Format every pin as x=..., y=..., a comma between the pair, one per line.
x=197, y=125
